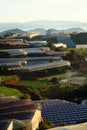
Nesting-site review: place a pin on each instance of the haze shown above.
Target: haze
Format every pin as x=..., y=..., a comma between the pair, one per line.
x=31, y=10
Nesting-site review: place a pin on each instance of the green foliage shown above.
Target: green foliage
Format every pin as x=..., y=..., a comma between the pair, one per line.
x=33, y=83
x=5, y=77
x=78, y=51
x=72, y=54
x=45, y=124
x=66, y=92
x=54, y=80
x=25, y=96
x=10, y=91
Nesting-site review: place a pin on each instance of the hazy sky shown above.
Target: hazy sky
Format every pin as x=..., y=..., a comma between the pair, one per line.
x=31, y=10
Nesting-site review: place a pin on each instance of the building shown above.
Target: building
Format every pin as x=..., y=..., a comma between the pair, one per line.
x=12, y=41
x=58, y=45
x=65, y=39
x=38, y=43
x=18, y=114
x=63, y=112
x=13, y=53
x=82, y=46
x=31, y=35
x=43, y=66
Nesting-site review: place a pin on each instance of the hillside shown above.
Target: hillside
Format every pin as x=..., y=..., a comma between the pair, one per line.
x=77, y=59
x=79, y=38
x=41, y=31
x=46, y=24
x=12, y=31
x=71, y=30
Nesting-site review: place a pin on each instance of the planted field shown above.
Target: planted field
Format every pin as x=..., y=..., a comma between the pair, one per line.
x=4, y=78
x=33, y=83
x=10, y=91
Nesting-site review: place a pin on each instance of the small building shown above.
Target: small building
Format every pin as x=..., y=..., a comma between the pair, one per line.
x=12, y=41
x=31, y=35
x=58, y=45
x=13, y=52
x=38, y=43
x=45, y=49
x=18, y=114
x=66, y=39
x=82, y=46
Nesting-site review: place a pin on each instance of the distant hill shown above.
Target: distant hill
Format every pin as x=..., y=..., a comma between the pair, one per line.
x=13, y=31
x=41, y=31
x=52, y=31
x=71, y=30
x=46, y=24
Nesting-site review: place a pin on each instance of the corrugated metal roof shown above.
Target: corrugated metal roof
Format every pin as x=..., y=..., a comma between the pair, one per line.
x=17, y=110
x=59, y=111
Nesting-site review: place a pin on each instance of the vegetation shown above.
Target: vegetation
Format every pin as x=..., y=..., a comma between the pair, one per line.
x=32, y=83
x=77, y=58
x=51, y=88
x=10, y=91
x=65, y=91
x=78, y=51
x=45, y=124
x=46, y=83
x=5, y=77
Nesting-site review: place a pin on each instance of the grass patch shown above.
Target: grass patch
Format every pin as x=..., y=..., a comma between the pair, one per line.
x=4, y=78
x=79, y=51
x=10, y=91
x=33, y=83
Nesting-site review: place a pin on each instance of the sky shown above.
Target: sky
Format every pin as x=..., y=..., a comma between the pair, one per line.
x=32, y=10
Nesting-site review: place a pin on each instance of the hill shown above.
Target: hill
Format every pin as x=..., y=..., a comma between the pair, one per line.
x=46, y=24
x=12, y=31
x=79, y=38
x=69, y=30
x=41, y=31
